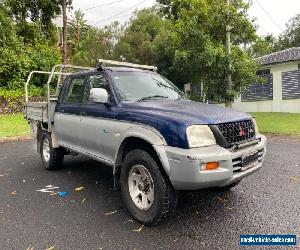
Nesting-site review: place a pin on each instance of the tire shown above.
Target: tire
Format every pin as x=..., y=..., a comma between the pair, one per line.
x=52, y=158
x=228, y=187
x=137, y=165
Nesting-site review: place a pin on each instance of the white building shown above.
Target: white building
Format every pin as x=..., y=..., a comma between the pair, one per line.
x=281, y=91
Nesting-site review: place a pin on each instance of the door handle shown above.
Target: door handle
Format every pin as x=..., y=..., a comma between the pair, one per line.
x=82, y=113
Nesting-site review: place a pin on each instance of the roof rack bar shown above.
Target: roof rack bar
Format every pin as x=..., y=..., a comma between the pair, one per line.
x=103, y=62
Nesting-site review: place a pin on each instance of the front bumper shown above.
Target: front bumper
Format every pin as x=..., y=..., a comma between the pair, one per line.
x=184, y=165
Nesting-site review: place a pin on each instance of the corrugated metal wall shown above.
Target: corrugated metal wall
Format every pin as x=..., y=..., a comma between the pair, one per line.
x=291, y=84
x=259, y=91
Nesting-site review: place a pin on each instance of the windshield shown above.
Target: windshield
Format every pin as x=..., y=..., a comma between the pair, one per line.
x=140, y=86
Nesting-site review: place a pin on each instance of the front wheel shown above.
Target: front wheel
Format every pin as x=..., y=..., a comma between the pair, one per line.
x=147, y=192
x=52, y=158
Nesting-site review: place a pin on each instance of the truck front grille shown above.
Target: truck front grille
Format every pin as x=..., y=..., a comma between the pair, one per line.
x=237, y=132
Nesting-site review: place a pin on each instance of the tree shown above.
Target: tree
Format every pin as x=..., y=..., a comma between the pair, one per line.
x=263, y=45
x=136, y=44
x=77, y=27
x=291, y=36
x=18, y=58
x=197, y=54
x=39, y=12
x=97, y=43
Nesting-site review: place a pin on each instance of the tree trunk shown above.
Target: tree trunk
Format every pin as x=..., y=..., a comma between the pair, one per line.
x=64, y=9
x=229, y=84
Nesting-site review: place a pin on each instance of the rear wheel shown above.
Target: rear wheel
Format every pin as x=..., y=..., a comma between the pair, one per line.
x=52, y=158
x=147, y=192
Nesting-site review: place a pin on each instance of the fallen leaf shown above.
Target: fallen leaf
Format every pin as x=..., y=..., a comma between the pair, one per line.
x=83, y=200
x=254, y=197
x=79, y=188
x=220, y=199
x=139, y=230
x=30, y=248
x=230, y=208
x=111, y=212
x=293, y=178
x=14, y=192
x=50, y=248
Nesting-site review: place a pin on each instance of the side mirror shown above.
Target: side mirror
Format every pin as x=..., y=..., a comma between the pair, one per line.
x=98, y=95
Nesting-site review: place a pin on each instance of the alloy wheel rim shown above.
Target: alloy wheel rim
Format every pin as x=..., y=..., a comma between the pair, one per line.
x=46, y=149
x=141, y=187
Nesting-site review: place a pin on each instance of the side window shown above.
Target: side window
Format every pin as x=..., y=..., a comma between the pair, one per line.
x=95, y=81
x=75, y=89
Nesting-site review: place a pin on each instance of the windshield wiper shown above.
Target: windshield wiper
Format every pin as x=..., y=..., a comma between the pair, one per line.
x=151, y=97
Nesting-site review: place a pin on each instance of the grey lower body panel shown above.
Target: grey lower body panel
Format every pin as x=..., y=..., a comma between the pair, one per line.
x=186, y=165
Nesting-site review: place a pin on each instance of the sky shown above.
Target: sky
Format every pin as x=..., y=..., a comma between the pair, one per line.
x=271, y=15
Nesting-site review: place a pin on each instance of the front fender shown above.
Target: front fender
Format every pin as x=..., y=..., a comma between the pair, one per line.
x=149, y=135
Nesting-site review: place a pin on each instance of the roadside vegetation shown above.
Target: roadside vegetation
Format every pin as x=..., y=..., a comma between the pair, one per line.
x=185, y=39
x=278, y=123
x=13, y=126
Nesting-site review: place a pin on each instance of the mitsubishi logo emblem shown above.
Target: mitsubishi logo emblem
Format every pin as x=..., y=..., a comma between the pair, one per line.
x=242, y=132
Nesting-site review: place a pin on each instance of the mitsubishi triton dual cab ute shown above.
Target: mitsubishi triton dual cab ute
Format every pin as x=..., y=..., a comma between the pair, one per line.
x=156, y=140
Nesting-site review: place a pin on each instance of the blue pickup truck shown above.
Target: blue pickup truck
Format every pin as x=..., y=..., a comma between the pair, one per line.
x=156, y=140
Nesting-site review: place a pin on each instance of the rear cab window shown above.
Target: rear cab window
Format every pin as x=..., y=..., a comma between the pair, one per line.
x=74, y=90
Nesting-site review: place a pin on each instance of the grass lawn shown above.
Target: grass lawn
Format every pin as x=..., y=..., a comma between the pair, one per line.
x=13, y=126
x=278, y=123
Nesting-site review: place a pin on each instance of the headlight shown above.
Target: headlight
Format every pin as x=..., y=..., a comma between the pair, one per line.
x=255, y=126
x=200, y=136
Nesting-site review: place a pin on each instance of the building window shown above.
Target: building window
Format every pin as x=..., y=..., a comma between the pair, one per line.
x=291, y=84
x=260, y=91
x=263, y=72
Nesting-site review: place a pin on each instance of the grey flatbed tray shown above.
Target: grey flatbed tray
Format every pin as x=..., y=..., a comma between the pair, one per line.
x=38, y=111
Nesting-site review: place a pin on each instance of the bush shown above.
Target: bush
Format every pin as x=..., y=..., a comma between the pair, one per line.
x=12, y=101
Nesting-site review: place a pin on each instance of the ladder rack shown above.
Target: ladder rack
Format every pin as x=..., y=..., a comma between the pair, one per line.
x=102, y=63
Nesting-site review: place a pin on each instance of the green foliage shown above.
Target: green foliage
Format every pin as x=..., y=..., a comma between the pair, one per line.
x=269, y=44
x=136, y=44
x=96, y=44
x=77, y=27
x=194, y=48
x=41, y=11
x=263, y=46
x=19, y=58
x=12, y=101
x=291, y=36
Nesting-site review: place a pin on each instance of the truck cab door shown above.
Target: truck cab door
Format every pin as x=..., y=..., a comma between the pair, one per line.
x=67, y=117
x=98, y=125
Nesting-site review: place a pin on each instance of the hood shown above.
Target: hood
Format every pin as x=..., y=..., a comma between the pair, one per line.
x=188, y=111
